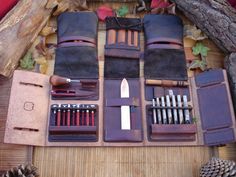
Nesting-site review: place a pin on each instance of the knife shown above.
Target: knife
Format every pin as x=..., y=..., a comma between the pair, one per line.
x=125, y=110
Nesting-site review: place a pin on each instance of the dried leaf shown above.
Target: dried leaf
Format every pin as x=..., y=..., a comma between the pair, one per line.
x=51, y=4
x=27, y=62
x=199, y=48
x=122, y=11
x=105, y=11
x=43, y=68
x=43, y=64
x=76, y=5
x=191, y=31
x=62, y=7
x=47, y=30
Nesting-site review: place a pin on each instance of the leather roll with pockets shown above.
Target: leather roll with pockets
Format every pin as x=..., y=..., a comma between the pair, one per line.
x=76, y=55
x=164, y=56
x=122, y=50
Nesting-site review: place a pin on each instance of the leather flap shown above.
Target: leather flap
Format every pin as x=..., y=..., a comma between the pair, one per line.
x=122, y=101
x=123, y=135
x=28, y=109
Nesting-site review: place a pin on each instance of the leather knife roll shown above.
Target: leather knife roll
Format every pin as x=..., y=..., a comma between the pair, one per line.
x=164, y=56
x=76, y=55
x=122, y=48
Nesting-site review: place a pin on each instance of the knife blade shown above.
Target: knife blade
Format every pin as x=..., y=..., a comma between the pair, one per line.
x=125, y=110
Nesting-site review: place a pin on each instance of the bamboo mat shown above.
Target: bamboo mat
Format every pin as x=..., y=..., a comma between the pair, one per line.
x=10, y=155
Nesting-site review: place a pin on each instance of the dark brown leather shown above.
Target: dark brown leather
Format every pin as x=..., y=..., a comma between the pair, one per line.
x=122, y=49
x=164, y=57
x=214, y=107
x=112, y=112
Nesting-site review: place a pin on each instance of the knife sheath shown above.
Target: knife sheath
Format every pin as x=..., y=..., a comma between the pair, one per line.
x=76, y=55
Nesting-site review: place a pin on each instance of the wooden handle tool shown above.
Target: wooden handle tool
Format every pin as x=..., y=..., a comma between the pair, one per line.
x=56, y=80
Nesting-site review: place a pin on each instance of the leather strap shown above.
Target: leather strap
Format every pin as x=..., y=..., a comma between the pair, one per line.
x=71, y=44
x=77, y=38
x=164, y=46
x=164, y=40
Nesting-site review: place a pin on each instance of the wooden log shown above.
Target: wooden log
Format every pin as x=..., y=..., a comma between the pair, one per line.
x=18, y=29
x=216, y=18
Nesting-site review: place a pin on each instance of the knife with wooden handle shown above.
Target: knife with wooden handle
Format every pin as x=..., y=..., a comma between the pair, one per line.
x=125, y=110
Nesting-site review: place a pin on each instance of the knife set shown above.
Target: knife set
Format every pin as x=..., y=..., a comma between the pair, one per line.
x=163, y=108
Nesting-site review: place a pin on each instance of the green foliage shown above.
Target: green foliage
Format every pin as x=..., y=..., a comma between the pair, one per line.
x=27, y=62
x=199, y=48
x=202, y=64
x=122, y=11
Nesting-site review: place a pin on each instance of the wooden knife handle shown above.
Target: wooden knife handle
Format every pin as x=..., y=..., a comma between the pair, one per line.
x=167, y=83
x=111, y=36
x=58, y=80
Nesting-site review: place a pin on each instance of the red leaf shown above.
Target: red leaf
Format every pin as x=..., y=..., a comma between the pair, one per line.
x=159, y=4
x=104, y=11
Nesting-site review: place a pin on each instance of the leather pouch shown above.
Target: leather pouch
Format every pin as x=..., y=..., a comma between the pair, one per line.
x=164, y=56
x=76, y=55
x=122, y=61
x=122, y=47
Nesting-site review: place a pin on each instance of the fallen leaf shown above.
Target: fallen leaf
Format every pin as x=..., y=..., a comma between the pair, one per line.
x=191, y=31
x=43, y=64
x=51, y=4
x=105, y=11
x=47, y=30
x=198, y=64
x=122, y=11
x=62, y=7
x=43, y=68
x=199, y=48
x=159, y=4
x=27, y=61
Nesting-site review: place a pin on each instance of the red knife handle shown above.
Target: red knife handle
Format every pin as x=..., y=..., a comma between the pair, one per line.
x=77, y=118
x=68, y=118
x=82, y=118
x=92, y=115
x=64, y=117
x=87, y=117
x=59, y=117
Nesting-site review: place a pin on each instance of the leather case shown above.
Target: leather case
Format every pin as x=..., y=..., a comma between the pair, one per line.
x=31, y=122
x=76, y=54
x=31, y=118
x=164, y=56
x=211, y=113
x=122, y=50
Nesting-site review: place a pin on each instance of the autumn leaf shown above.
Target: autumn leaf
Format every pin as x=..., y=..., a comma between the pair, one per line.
x=43, y=64
x=27, y=62
x=159, y=4
x=199, y=48
x=191, y=31
x=104, y=11
x=123, y=11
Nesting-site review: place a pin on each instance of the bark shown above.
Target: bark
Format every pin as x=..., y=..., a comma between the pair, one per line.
x=18, y=29
x=230, y=66
x=216, y=18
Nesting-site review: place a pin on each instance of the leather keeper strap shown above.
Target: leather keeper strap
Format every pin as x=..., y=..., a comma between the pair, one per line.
x=160, y=40
x=164, y=46
x=117, y=102
x=77, y=38
x=73, y=44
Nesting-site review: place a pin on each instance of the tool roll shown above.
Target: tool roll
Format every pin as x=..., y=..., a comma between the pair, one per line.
x=76, y=55
x=76, y=58
x=122, y=52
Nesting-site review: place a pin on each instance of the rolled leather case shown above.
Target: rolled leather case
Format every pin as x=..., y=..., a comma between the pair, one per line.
x=122, y=49
x=76, y=55
x=164, y=56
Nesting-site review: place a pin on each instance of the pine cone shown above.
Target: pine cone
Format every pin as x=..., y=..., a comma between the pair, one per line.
x=218, y=168
x=22, y=171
